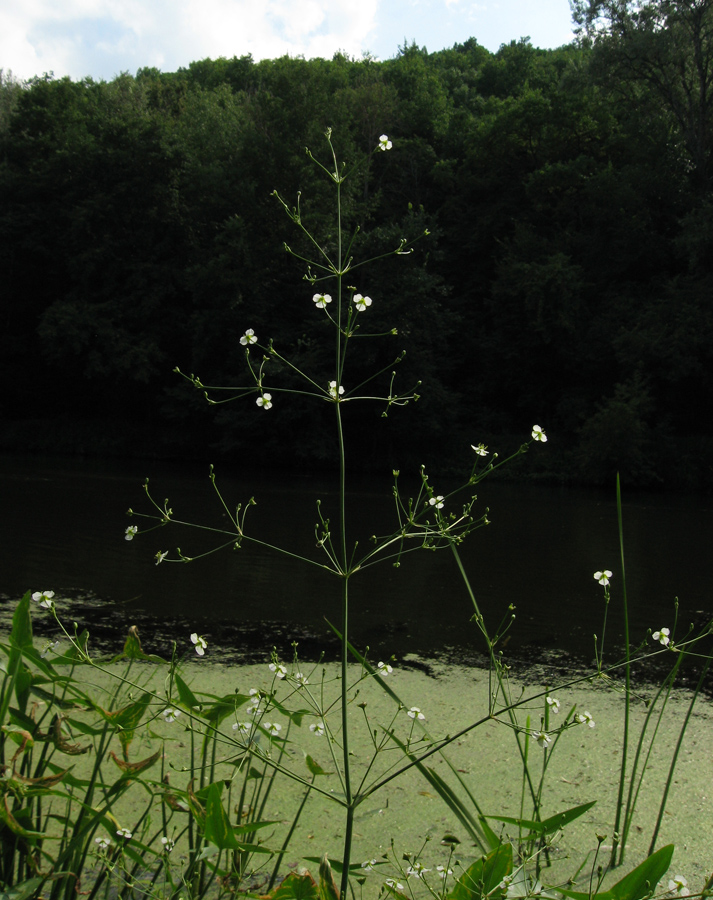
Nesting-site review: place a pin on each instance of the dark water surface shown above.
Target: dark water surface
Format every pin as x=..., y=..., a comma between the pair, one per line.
x=62, y=529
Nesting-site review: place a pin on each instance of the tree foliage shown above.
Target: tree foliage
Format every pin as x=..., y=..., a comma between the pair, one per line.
x=566, y=279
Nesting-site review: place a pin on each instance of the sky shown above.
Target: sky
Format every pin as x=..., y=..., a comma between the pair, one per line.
x=101, y=38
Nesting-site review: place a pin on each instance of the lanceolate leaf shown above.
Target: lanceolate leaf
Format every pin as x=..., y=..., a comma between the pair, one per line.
x=639, y=883
x=550, y=825
x=484, y=877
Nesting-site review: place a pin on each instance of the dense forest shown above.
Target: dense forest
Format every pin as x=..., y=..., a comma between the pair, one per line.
x=567, y=277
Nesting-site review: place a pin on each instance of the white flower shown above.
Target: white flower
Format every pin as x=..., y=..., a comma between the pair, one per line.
x=334, y=390
x=248, y=338
x=278, y=669
x=585, y=718
x=663, y=636
x=480, y=449
x=242, y=727
x=44, y=598
x=160, y=556
x=437, y=501
x=679, y=884
x=385, y=143
x=553, y=704
x=168, y=843
x=538, y=434
x=301, y=679
x=603, y=577
x=384, y=669
x=48, y=648
x=368, y=865
x=417, y=870
x=321, y=300
x=273, y=728
x=124, y=833
x=443, y=871
x=131, y=532
x=317, y=728
x=254, y=707
x=394, y=884
x=170, y=714
x=415, y=713
x=361, y=303
x=103, y=842
x=200, y=642
x=542, y=739
x=265, y=401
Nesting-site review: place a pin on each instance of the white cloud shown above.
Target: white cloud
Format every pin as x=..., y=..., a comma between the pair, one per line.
x=103, y=37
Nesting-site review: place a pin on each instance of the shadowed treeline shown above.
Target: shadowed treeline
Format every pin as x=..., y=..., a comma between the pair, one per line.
x=566, y=279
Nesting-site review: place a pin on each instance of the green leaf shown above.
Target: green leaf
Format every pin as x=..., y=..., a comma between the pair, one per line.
x=218, y=829
x=23, y=891
x=483, y=878
x=21, y=634
x=639, y=883
x=549, y=825
x=315, y=767
x=559, y=820
x=186, y=695
x=296, y=887
x=327, y=887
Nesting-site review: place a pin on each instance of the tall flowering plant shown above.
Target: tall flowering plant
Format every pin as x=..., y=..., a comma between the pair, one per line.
x=428, y=520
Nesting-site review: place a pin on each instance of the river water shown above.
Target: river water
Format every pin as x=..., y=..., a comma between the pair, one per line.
x=62, y=529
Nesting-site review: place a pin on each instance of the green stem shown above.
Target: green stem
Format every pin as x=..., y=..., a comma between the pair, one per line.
x=627, y=695
x=674, y=759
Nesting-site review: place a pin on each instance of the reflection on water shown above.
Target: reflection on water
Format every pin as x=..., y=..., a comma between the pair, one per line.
x=63, y=522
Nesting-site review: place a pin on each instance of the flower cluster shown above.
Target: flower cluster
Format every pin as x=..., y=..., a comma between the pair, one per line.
x=334, y=390
x=278, y=670
x=254, y=706
x=418, y=870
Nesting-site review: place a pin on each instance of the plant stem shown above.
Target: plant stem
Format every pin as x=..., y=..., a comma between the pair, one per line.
x=627, y=690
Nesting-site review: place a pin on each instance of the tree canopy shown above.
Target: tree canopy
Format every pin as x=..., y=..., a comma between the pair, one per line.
x=566, y=279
